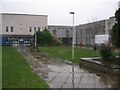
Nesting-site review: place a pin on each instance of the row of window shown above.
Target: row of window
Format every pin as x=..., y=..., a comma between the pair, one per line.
x=87, y=33
x=35, y=28
x=7, y=29
x=90, y=28
x=63, y=28
x=30, y=29
x=18, y=37
x=16, y=40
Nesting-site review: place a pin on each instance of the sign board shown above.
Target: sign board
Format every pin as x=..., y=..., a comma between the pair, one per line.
x=99, y=39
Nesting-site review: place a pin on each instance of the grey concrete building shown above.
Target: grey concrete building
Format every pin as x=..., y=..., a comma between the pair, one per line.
x=109, y=24
x=85, y=33
x=119, y=4
x=62, y=33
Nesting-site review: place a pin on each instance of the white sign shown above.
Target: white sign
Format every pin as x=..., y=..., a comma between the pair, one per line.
x=99, y=39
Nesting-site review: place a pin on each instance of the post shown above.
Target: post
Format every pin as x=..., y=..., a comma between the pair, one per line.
x=73, y=40
x=35, y=40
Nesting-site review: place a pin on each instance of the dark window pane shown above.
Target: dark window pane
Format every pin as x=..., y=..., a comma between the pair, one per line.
x=6, y=28
x=11, y=29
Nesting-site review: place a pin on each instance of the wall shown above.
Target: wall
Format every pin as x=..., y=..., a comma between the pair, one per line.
x=22, y=22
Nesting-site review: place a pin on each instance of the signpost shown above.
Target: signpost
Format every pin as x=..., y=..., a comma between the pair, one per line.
x=102, y=39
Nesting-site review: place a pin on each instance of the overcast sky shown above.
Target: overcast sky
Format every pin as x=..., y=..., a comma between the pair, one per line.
x=58, y=10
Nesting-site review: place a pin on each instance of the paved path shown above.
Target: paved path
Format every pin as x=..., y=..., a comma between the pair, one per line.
x=59, y=75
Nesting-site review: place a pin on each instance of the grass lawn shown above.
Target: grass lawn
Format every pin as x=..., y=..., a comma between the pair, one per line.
x=65, y=52
x=0, y=67
x=17, y=73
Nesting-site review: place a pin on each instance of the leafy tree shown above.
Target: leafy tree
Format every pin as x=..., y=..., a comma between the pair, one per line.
x=45, y=38
x=40, y=38
x=115, y=33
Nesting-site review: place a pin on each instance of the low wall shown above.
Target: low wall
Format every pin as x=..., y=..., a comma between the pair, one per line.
x=97, y=65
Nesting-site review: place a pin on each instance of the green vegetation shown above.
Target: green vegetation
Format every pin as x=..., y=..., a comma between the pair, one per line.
x=65, y=52
x=115, y=33
x=16, y=71
x=44, y=38
x=0, y=67
x=106, y=52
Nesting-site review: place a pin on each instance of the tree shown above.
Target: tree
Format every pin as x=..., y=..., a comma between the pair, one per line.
x=45, y=38
x=115, y=33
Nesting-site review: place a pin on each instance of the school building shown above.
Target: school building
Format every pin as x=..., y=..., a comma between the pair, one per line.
x=19, y=29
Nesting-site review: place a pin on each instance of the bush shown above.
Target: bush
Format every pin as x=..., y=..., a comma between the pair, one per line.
x=106, y=52
x=44, y=38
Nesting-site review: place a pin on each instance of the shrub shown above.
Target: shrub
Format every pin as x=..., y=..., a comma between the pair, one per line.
x=106, y=52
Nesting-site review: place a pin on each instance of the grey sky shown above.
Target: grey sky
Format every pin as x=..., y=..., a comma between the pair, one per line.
x=58, y=10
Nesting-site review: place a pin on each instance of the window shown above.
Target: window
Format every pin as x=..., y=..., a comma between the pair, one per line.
x=6, y=28
x=11, y=29
x=81, y=31
x=38, y=28
x=58, y=28
x=54, y=32
x=67, y=28
x=30, y=29
x=7, y=39
x=67, y=33
x=103, y=26
x=49, y=28
x=71, y=28
x=34, y=28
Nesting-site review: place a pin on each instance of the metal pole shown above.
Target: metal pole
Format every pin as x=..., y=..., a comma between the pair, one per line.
x=73, y=42
x=73, y=51
x=35, y=40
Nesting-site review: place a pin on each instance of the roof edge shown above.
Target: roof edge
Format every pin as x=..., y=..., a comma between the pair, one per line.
x=28, y=14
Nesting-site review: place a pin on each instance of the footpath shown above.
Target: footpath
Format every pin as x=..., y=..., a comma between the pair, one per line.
x=58, y=74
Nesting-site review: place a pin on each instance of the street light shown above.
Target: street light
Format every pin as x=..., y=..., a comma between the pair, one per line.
x=73, y=49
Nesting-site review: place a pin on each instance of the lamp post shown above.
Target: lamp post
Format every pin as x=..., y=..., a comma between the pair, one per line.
x=73, y=40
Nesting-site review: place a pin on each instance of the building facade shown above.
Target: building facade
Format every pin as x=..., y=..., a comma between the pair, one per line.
x=20, y=28
x=85, y=33
x=119, y=4
x=62, y=33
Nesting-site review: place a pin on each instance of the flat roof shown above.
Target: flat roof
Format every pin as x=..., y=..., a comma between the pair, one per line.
x=59, y=26
x=23, y=14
